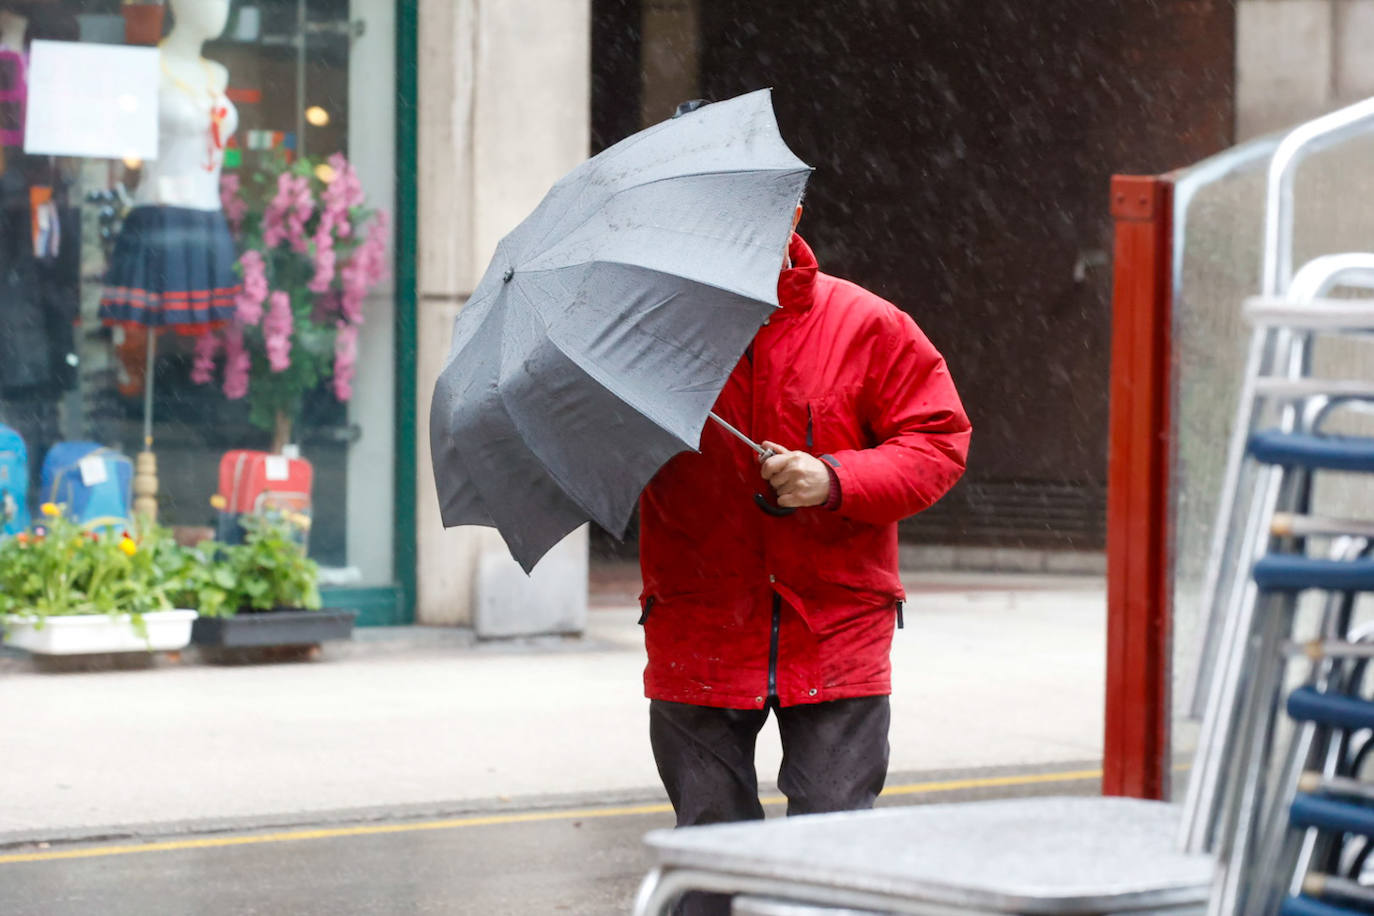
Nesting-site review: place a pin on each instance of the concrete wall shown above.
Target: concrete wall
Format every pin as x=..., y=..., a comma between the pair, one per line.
x=1296, y=59
x=504, y=112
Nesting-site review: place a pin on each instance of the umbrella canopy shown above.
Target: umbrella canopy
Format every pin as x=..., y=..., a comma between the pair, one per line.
x=608, y=322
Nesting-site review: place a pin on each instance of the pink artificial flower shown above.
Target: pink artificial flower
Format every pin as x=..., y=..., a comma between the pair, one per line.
x=237, y=364
x=302, y=207
x=364, y=270
x=276, y=331
x=207, y=348
x=273, y=218
x=325, y=257
x=249, y=300
x=289, y=210
x=378, y=235
x=234, y=206
x=343, y=192
x=345, y=360
x=273, y=229
x=354, y=282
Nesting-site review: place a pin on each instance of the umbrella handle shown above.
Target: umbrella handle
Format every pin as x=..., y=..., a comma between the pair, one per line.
x=762, y=502
x=777, y=511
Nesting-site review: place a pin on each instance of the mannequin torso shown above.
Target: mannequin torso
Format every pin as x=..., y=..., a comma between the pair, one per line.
x=195, y=117
x=195, y=121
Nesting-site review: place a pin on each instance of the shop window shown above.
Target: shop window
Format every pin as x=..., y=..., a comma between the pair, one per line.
x=267, y=330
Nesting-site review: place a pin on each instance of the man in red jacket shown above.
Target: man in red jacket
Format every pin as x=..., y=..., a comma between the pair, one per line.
x=746, y=610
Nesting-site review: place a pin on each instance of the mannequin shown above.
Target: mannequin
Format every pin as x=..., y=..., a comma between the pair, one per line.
x=173, y=264
x=174, y=261
x=195, y=117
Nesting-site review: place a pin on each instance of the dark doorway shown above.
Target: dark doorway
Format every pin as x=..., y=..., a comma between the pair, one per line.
x=962, y=156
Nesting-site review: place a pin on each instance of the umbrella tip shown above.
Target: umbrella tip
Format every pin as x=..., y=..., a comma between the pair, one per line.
x=686, y=107
x=510, y=272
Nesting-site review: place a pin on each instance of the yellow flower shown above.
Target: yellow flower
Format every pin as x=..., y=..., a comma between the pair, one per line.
x=49, y=509
x=127, y=545
x=219, y=502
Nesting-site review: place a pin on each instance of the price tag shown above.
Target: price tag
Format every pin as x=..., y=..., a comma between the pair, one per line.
x=93, y=471
x=278, y=468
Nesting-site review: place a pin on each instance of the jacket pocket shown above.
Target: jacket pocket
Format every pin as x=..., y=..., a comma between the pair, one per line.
x=646, y=605
x=831, y=423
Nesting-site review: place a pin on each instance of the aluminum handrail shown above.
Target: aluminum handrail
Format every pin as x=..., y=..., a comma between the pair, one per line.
x=1317, y=277
x=1302, y=141
x=1226, y=630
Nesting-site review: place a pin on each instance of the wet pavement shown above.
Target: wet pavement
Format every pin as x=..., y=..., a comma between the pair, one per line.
x=585, y=859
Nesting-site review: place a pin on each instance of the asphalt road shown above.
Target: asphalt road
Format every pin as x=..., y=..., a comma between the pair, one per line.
x=586, y=860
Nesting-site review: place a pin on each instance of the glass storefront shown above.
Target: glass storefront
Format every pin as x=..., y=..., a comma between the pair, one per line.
x=242, y=233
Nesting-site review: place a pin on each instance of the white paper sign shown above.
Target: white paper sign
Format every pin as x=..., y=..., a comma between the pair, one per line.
x=90, y=99
x=278, y=468
x=93, y=471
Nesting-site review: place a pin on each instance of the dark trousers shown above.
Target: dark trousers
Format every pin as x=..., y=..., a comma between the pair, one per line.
x=834, y=758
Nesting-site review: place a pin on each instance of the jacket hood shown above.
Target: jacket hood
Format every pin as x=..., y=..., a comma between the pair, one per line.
x=795, y=283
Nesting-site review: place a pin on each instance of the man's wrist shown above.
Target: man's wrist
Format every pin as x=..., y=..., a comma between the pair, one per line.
x=832, y=501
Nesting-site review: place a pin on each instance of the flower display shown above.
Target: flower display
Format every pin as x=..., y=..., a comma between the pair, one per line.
x=248, y=304
x=203, y=368
x=276, y=332
x=312, y=254
x=59, y=568
x=234, y=207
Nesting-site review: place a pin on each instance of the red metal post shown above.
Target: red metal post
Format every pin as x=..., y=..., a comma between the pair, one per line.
x=1136, y=743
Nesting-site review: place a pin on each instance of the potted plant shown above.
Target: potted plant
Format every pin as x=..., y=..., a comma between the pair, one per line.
x=65, y=590
x=312, y=253
x=262, y=592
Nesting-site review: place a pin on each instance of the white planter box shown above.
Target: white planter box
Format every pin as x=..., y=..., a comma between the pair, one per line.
x=89, y=633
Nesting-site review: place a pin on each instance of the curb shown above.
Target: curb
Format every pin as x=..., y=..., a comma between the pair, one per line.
x=455, y=808
x=366, y=642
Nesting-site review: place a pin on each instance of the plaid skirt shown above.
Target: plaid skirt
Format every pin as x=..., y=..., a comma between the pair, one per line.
x=172, y=267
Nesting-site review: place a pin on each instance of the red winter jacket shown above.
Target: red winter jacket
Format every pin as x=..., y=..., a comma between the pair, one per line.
x=842, y=374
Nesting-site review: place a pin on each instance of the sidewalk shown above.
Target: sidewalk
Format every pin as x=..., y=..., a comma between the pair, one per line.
x=991, y=670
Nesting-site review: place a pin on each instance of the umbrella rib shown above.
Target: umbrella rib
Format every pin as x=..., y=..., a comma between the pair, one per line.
x=706, y=283
x=711, y=173
x=675, y=345
x=586, y=365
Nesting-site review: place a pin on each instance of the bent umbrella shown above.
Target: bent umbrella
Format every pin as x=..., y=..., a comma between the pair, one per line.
x=607, y=323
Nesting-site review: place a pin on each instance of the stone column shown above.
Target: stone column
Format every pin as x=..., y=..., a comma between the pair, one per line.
x=1297, y=59
x=504, y=111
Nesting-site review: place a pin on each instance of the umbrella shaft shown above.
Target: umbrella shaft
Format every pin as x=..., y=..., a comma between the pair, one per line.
x=760, y=450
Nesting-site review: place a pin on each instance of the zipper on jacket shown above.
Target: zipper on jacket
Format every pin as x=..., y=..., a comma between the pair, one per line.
x=644, y=614
x=901, y=624
x=810, y=429
x=773, y=647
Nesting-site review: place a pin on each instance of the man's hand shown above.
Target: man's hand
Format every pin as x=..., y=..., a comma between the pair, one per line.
x=798, y=478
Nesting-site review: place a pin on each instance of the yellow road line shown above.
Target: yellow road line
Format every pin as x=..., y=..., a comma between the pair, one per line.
x=328, y=833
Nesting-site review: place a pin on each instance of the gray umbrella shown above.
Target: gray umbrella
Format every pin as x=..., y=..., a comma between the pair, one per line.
x=607, y=324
